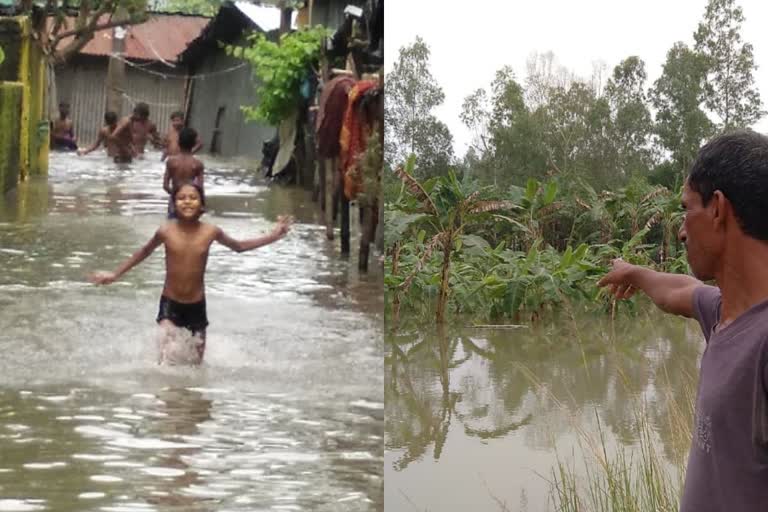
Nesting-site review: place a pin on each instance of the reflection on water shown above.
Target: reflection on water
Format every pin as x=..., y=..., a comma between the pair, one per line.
x=478, y=417
x=285, y=414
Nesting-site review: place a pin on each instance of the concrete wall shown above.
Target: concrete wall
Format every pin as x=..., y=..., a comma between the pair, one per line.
x=82, y=83
x=221, y=95
x=24, y=68
x=10, y=136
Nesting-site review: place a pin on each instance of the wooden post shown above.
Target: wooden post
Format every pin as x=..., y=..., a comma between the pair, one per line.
x=344, y=219
x=318, y=194
x=330, y=171
x=116, y=72
x=366, y=237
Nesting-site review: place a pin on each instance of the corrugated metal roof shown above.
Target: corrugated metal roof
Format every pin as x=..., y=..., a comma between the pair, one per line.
x=162, y=37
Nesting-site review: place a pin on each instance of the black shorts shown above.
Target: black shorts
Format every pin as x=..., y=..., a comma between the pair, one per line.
x=190, y=316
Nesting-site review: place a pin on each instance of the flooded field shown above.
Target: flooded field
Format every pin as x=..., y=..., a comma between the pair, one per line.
x=481, y=419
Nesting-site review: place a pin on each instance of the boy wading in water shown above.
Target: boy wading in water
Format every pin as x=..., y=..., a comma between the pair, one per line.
x=63, y=134
x=171, y=140
x=182, y=168
x=187, y=241
x=110, y=122
x=132, y=132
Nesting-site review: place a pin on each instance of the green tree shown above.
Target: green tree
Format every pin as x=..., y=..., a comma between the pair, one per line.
x=410, y=126
x=279, y=70
x=446, y=207
x=575, y=135
x=61, y=42
x=678, y=96
x=631, y=123
x=199, y=7
x=730, y=87
x=476, y=115
x=507, y=144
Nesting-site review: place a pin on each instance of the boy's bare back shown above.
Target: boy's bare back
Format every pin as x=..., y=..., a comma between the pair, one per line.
x=180, y=169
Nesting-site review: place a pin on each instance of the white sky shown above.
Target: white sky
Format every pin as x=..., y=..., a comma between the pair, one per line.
x=469, y=41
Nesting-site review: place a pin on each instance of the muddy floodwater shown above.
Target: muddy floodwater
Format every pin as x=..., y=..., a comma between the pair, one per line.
x=479, y=419
x=287, y=412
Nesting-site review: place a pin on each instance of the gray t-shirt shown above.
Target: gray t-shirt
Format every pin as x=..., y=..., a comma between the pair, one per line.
x=728, y=461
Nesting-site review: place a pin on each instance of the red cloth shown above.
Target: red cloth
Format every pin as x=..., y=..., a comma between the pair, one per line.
x=354, y=136
x=333, y=105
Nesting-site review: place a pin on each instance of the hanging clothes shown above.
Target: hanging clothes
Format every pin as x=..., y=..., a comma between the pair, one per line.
x=353, y=139
x=333, y=105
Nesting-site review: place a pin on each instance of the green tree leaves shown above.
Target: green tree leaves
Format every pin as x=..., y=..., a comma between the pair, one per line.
x=730, y=87
x=279, y=70
x=411, y=94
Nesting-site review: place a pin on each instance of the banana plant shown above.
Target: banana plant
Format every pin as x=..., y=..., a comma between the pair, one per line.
x=448, y=207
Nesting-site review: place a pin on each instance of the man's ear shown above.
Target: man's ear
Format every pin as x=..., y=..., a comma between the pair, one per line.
x=720, y=207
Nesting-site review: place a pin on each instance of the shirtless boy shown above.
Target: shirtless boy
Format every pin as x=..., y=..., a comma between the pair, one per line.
x=182, y=168
x=187, y=242
x=171, y=140
x=63, y=134
x=135, y=130
x=110, y=121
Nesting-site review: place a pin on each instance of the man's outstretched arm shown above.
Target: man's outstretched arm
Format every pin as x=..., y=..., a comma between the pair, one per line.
x=672, y=293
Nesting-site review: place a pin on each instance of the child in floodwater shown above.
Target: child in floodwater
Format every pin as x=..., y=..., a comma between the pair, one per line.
x=63, y=133
x=171, y=140
x=133, y=132
x=187, y=242
x=110, y=122
x=182, y=168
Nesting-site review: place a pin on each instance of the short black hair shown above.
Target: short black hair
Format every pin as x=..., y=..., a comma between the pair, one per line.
x=63, y=104
x=110, y=117
x=141, y=109
x=187, y=138
x=199, y=189
x=178, y=114
x=736, y=164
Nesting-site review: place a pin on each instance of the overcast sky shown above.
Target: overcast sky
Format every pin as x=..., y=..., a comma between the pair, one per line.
x=469, y=41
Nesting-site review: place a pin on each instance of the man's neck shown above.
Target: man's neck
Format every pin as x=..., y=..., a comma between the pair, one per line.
x=743, y=279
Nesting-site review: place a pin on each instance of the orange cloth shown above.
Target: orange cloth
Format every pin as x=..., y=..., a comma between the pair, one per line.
x=353, y=139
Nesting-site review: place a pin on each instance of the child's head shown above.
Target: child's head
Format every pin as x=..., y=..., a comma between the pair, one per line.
x=187, y=138
x=110, y=118
x=189, y=195
x=141, y=111
x=64, y=109
x=177, y=120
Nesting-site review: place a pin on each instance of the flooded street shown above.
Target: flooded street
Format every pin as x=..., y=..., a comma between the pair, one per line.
x=480, y=419
x=287, y=412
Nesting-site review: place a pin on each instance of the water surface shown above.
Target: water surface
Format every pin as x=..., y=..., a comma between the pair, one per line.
x=286, y=412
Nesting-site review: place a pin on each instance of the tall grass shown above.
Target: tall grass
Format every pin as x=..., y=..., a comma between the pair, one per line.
x=639, y=478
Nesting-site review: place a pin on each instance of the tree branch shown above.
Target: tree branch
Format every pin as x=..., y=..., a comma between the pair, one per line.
x=84, y=34
x=82, y=31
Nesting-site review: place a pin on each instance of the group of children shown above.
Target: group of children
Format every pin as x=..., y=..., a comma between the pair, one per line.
x=182, y=312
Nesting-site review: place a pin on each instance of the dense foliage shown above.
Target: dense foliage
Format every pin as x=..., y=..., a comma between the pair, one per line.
x=279, y=70
x=516, y=252
x=572, y=172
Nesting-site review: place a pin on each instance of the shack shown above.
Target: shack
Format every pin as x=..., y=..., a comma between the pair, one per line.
x=222, y=84
x=152, y=72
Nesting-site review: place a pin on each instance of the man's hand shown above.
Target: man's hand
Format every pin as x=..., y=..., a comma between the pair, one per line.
x=619, y=279
x=102, y=277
